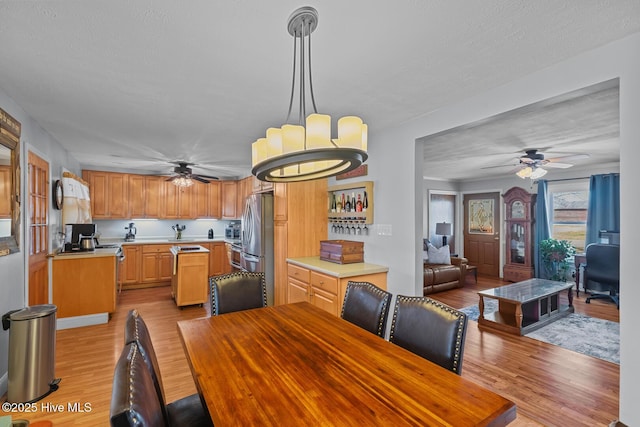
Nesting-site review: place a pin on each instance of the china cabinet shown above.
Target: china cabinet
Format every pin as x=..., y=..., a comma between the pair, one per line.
x=519, y=234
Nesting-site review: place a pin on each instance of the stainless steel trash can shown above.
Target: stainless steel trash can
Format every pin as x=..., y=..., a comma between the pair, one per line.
x=32, y=349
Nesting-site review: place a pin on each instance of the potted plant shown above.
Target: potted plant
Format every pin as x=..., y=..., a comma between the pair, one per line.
x=555, y=255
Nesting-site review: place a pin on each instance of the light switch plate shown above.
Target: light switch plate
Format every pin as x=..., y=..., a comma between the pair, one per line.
x=384, y=230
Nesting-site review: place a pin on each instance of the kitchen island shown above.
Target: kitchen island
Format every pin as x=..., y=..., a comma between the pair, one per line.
x=189, y=276
x=324, y=283
x=85, y=283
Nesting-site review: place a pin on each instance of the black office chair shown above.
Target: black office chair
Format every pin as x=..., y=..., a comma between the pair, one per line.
x=187, y=411
x=366, y=305
x=602, y=272
x=240, y=290
x=430, y=329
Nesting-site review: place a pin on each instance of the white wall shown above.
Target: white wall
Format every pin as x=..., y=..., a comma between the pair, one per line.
x=13, y=293
x=395, y=167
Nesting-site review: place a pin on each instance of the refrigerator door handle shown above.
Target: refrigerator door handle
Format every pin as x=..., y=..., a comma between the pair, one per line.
x=251, y=258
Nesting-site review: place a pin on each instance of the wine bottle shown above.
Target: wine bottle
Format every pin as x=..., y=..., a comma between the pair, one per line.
x=333, y=203
x=338, y=204
x=347, y=206
x=353, y=202
x=359, y=204
x=365, y=202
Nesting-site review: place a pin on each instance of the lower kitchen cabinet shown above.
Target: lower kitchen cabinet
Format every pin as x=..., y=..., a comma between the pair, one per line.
x=84, y=285
x=189, y=281
x=156, y=264
x=324, y=284
x=130, y=267
x=218, y=261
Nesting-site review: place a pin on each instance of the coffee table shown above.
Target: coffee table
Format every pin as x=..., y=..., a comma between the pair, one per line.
x=525, y=306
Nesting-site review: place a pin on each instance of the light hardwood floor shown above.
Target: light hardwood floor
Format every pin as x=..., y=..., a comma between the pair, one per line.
x=550, y=385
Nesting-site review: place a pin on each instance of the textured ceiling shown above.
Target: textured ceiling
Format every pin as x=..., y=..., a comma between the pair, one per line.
x=136, y=84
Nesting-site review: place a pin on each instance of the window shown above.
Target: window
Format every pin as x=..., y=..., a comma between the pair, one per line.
x=570, y=202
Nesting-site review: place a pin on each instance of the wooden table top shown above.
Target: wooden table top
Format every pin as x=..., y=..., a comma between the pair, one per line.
x=295, y=364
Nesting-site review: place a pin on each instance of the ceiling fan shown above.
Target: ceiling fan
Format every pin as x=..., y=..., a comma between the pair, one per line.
x=183, y=175
x=530, y=165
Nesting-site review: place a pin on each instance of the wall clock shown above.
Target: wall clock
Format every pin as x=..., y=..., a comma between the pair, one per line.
x=58, y=194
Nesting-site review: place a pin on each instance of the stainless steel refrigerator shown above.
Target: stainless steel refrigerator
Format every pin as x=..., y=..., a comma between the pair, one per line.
x=256, y=233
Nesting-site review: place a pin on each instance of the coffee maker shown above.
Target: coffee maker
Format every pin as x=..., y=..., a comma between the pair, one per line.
x=131, y=233
x=73, y=233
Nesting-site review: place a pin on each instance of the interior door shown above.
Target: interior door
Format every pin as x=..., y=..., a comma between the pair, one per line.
x=482, y=232
x=38, y=184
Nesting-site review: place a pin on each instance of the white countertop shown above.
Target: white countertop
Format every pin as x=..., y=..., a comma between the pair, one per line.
x=178, y=250
x=160, y=240
x=338, y=270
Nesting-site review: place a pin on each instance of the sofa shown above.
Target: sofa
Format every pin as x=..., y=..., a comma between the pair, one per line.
x=442, y=277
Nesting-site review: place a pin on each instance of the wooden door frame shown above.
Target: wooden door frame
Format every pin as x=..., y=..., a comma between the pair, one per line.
x=26, y=224
x=501, y=217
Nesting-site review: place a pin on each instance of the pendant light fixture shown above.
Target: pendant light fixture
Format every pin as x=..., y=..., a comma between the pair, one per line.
x=305, y=150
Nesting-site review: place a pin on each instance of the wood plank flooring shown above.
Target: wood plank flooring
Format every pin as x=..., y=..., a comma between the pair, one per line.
x=550, y=385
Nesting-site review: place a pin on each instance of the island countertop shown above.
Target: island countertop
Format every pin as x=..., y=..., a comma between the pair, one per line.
x=338, y=270
x=97, y=253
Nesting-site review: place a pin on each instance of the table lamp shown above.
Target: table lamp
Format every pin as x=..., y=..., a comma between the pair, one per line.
x=443, y=229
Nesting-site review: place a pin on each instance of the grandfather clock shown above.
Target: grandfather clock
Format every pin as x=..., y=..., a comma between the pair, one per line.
x=519, y=234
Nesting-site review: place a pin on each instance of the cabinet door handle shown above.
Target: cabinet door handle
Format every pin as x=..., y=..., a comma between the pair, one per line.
x=321, y=282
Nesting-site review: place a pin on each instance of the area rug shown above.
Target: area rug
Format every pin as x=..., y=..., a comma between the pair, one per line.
x=576, y=332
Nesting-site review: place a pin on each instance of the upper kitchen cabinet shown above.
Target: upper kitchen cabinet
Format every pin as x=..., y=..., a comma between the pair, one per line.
x=229, y=199
x=244, y=189
x=109, y=194
x=178, y=202
x=207, y=199
x=258, y=186
x=150, y=190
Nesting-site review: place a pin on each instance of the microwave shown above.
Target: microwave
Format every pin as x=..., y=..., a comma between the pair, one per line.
x=232, y=232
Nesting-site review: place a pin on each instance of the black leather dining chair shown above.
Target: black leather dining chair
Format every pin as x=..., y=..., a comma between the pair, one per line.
x=134, y=401
x=240, y=290
x=601, y=276
x=366, y=305
x=430, y=329
x=187, y=411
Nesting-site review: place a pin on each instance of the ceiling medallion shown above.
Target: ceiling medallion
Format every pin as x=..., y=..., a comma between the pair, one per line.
x=306, y=151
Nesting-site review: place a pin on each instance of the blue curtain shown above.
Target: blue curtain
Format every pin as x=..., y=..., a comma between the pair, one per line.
x=542, y=226
x=604, y=205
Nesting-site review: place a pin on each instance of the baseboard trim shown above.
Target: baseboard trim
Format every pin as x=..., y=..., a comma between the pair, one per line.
x=80, y=321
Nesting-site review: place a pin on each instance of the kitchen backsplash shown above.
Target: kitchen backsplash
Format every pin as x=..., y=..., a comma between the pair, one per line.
x=161, y=229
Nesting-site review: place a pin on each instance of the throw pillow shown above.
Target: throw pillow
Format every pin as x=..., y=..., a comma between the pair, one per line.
x=439, y=255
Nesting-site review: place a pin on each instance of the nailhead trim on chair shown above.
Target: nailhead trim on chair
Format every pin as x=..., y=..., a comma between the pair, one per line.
x=236, y=274
x=375, y=290
x=460, y=326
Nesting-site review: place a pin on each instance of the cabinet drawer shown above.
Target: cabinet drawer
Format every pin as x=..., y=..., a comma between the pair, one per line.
x=322, y=281
x=155, y=248
x=299, y=273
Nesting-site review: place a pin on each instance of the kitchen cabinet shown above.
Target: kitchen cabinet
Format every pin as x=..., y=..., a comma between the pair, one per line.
x=109, y=194
x=229, y=190
x=156, y=264
x=218, y=261
x=5, y=192
x=207, y=199
x=300, y=222
x=244, y=190
x=258, y=186
x=324, y=284
x=189, y=280
x=84, y=284
x=146, y=193
x=317, y=288
x=178, y=202
x=130, y=267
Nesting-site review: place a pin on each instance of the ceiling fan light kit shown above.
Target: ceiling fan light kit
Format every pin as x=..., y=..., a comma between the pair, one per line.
x=306, y=151
x=184, y=176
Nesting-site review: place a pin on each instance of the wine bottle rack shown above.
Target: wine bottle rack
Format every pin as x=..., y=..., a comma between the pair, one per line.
x=355, y=188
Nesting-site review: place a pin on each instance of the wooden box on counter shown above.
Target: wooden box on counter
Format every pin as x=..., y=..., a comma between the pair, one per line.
x=342, y=251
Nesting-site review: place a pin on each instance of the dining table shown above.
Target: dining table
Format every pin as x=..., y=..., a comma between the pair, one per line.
x=296, y=364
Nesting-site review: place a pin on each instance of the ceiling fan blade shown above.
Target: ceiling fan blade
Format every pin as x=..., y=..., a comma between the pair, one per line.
x=510, y=165
x=209, y=177
x=568, y=158
x=197, y=178
x=558, y=165
x=171, y=178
